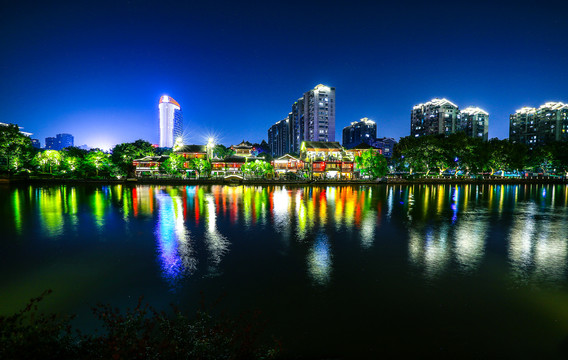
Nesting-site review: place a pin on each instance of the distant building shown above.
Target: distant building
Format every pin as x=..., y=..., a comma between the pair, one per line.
x=475, y=122
x=171, y=122
x=50, y=143
x=319, y=114
x=279, y=138
x=84, y=147
x=362, y=131
x=533, y=127
x=312, y=118
x=36, y=143
x=438, y=116
x=441, y=116
x=59, y=142
x=296, y=117
x=386, y=145
x=64, y=141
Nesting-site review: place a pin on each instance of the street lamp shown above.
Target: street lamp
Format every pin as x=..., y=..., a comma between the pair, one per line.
x=210, y=146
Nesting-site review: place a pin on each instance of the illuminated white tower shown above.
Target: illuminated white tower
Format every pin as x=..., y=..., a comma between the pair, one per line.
x=171, y=121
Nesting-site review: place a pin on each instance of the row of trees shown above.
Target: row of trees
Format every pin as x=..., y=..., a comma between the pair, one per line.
x=17, y=155
x=459, y=153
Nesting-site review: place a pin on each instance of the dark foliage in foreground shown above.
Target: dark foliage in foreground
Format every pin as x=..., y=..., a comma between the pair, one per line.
x=139, y=333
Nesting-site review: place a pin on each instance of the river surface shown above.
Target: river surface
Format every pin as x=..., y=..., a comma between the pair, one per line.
x=457, y=271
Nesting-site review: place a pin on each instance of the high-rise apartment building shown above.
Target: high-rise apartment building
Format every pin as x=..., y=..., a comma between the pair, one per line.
x=297, y=125
x=312, y=119
x=319, y=114
x=475, y=122
x=362, y=131
x=437, y=116
x=279, y=138
x=36, y=144
x=533, y=127
x=171, y=122
x=441, y=116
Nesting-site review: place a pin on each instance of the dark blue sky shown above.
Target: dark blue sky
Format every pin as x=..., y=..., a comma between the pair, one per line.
x=97, y=69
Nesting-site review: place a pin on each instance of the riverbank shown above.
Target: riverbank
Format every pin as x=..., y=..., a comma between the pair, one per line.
x=262, y=182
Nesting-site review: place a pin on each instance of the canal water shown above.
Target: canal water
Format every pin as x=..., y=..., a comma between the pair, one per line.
x=347, y=271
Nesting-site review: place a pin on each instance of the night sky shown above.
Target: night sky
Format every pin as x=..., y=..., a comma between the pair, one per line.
x=97, y=69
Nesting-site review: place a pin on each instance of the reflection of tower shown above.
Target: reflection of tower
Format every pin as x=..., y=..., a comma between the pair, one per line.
x=171, y=121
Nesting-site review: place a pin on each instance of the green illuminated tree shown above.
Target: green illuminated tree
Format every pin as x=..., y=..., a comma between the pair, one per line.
x=201, y=166
x=221, y=151
x=15, y=148
x=123, y=155
x=48, y=160
x=173, y=165
x=371, y=164
x=97, y=160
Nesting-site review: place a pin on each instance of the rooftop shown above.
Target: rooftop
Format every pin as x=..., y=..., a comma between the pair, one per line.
x=436, y=102
x=331, y=145
x=169, y=99
x=471, y=110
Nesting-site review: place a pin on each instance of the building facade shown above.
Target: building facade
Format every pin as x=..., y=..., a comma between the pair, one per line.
x=319, y=114
x=171, y=122
x=437, y=116
x=296, y=117
x=64, y=141
x=534, y=127
x=441, y=116
x=312, y=119
x=475, y=122
x=386, y=145
x=59, y=142
x=362, y=131
x=279, y=138
x=36, y=143
x=50, y=143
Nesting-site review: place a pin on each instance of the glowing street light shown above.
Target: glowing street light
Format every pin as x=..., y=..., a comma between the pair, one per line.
x=210, y=146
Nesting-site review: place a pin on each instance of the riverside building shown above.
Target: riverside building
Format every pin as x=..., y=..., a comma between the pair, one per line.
x=441, y=116
x=171, y=122
x=533, y=127
x=362, y=131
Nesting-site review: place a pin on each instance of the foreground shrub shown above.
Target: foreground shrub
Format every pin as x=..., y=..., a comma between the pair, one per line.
x=139, y=333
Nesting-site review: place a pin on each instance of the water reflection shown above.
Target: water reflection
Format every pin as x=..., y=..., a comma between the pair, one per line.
x=538, y=247
x=319, y=260
x=217, y=244
x=174, y=245
x=443, y=229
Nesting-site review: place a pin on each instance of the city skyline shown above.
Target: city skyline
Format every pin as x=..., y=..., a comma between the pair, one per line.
x=81, y=69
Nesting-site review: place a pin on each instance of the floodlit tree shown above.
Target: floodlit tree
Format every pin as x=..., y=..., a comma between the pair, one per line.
x=221, y=151
x=173, y=165
x=15, y=148
x=124, y=154
x=372, y=164
x=48, y=159
x=97, y=160
x=201, y=166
